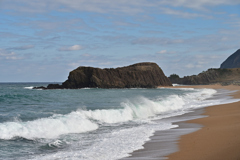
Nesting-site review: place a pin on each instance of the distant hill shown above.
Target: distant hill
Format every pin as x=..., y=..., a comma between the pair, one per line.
x=211, y=76
x=228, y=73
x=232, y=61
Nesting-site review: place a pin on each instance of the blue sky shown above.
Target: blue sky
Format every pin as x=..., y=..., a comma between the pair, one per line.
x=43, y=40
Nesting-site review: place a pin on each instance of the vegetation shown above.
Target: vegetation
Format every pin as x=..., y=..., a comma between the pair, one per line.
x=174, y=76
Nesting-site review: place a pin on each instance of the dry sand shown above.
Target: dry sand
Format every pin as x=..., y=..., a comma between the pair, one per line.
x=219, y=139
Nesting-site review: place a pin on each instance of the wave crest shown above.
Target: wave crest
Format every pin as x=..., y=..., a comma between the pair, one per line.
x=88, y=120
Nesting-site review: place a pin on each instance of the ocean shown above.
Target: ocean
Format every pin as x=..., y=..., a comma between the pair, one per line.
x=90, y=124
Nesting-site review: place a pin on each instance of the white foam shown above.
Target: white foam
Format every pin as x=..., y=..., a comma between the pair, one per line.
x=113, y=145
x=56, y=144
x=139, y=108
x=186, y=89
x=31, y=87
x=50, y=127
x=175, y=84
x=143, y=108
x=80, y=121
x=122, y=142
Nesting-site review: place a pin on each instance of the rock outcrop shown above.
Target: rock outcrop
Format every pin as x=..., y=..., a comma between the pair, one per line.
x=232, y=61
x=140, y=75
x=211, y=76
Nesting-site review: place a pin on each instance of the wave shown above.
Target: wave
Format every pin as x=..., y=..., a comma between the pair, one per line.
x=114, y=145
x=143, y=108
x=51, y=127
x=80, y=121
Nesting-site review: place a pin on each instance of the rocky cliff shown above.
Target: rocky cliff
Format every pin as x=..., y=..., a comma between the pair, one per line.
x=232, y=61
x=140, y=75
x=211, y=76
x=228, y=73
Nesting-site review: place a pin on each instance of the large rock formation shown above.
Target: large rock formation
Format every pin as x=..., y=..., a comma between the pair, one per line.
x=228, y=73
x=232, y=61
x=140, y=75
x=211, y=76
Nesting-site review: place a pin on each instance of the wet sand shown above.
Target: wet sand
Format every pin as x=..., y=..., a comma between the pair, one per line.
x=164, y=142
x=219, y=138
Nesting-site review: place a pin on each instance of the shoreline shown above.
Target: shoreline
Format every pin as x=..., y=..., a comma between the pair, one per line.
x=178, y=143
x=163, y=142
x=219, y=138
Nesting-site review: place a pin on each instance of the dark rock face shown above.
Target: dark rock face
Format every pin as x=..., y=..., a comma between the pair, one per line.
x=232, y=61
x=211, y=76
x=140, y=75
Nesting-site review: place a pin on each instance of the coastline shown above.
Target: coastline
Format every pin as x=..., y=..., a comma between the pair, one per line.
x=219, y=138
x=164, y=142
x=208, y=133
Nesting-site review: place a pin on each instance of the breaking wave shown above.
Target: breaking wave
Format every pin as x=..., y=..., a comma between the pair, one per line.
x=88, y=120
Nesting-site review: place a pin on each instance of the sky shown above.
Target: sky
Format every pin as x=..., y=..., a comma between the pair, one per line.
x=43, y=40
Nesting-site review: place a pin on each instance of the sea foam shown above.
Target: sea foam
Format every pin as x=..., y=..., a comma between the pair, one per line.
x=144, y=108
x=50, y=127
x=140, y=108
x=31, y=87
x=112, y=145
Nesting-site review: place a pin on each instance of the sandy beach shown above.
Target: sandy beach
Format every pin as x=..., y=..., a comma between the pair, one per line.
x=219, y=138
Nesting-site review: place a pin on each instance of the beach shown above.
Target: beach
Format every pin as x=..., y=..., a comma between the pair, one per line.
x=219, y=138
x=212, y=133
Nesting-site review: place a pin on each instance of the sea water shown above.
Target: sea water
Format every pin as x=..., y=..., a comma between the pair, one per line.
x=89, y=124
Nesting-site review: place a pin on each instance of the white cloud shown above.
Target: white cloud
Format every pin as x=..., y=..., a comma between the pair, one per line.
x=182, y=13
x=198, y=4
x=109, y=6
x=86, y=55
x=100, y=60
x=190, y=66
x=8, y=55
x=162, y=52
x=103, y=6
x=165, y=52
x=71, y=48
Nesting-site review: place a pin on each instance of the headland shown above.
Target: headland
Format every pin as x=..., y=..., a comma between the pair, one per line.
x=140, y=75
